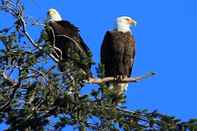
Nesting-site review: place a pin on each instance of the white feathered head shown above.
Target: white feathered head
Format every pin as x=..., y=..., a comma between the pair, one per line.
x=53, y=15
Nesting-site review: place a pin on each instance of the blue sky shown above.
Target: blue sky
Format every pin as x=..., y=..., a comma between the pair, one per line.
x=165, y=40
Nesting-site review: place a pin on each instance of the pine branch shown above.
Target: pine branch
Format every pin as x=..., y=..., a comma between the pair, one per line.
x=15, y=86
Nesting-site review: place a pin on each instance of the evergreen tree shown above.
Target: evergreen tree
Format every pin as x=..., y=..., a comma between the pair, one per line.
x=33, y=92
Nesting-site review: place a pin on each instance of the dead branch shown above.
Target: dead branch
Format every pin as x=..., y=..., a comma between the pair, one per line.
x=24, y=30
x=125, y=80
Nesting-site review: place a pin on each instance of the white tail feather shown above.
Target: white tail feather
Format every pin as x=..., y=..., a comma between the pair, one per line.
x=118, y=88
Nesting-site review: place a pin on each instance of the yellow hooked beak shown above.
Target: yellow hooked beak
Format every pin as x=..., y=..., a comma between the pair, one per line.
x=132, y=22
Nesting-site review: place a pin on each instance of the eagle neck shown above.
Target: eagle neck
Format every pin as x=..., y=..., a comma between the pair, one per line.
x=54, y=18
x=124, y=28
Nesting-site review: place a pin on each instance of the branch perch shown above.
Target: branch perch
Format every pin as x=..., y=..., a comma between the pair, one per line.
x=125, y=80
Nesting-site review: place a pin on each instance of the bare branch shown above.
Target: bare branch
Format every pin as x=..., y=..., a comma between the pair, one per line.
x=125, y=80
x=24, y=30
x=56, y=49
x=74, y=41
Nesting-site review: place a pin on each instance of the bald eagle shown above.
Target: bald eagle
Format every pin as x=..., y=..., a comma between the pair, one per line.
x=68, y=43
x=118, y=53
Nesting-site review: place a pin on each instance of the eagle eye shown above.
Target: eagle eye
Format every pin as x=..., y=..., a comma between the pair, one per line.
x=127, y=19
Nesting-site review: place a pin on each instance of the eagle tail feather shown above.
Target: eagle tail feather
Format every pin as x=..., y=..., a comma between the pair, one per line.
x=118, y=88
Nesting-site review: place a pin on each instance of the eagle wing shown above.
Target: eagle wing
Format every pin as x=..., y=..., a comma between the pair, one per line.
x=67, y=38
x=129, y=54
x=105, y=53
x=117, y=53
x=75, y=37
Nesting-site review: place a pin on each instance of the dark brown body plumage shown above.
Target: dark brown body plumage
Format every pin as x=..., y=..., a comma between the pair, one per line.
x=76, y=51
x=117, y=53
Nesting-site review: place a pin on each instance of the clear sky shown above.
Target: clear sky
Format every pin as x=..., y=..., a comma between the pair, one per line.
x=165, y=40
